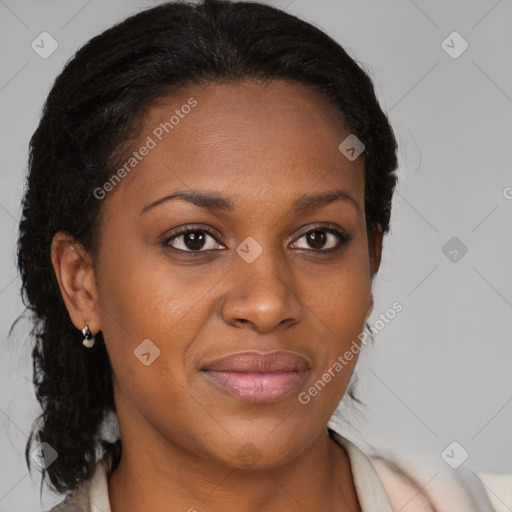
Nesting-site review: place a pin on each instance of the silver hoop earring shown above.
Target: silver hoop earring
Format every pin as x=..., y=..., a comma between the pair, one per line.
x=89, y=339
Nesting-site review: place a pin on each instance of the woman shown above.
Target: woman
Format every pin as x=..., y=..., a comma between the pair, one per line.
x=208, y=193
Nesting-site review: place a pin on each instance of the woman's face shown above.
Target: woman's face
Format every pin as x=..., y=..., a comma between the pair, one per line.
x=172, y=306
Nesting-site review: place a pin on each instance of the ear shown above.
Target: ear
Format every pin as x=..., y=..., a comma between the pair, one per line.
x=375, y=254
x=75, y=274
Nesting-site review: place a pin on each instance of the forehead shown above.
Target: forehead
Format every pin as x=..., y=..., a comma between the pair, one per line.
x=274, y=139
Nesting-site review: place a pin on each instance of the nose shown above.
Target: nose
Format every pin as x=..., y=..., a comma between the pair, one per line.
x=261, y=294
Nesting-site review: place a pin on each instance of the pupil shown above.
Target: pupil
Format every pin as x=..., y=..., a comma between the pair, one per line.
x=316, y=239
x=194, y=240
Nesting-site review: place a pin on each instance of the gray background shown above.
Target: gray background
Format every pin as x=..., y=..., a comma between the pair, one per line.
x=441, y=370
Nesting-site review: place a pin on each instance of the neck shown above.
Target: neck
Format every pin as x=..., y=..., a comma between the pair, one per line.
x=319, y=478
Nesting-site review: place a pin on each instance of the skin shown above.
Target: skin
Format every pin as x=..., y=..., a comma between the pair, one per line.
x=262, y=145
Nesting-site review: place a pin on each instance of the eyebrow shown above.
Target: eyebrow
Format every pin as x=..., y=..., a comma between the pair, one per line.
x=215, y=202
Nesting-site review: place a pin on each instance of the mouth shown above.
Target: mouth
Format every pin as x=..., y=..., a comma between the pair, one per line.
x=258, y=377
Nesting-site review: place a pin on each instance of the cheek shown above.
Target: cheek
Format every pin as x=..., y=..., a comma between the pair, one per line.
x=339, y=295
x=144, y=292
x=339, y=298
x=149, y=307
x=340, y=304
x=145, y=296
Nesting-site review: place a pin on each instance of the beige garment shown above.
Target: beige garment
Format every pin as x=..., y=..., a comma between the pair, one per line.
x=377, y=489
x=444, y=489
x=92, y=495
x=499, y=490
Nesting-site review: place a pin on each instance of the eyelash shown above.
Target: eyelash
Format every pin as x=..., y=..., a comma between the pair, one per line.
x=343, y=238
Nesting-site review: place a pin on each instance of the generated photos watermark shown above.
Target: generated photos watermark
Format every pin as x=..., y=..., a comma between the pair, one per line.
x=342, y=360
x=151, y=142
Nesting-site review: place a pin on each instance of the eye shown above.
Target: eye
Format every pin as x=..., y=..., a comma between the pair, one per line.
x=202, y=239
x=192, y=239
x=322, y=239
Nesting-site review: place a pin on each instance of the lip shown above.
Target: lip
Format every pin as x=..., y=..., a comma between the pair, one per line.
x=256, y=376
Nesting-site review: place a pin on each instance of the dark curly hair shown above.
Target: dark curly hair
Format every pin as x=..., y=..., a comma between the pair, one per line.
x=91, y=114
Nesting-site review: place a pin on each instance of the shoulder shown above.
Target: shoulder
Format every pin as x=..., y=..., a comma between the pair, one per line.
x=499, y=490
x=70, y=505
x=64, y=506
x=90, y=494
x=403, y=491
x=431, y=489
x=79, y=501
x=61, y=507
